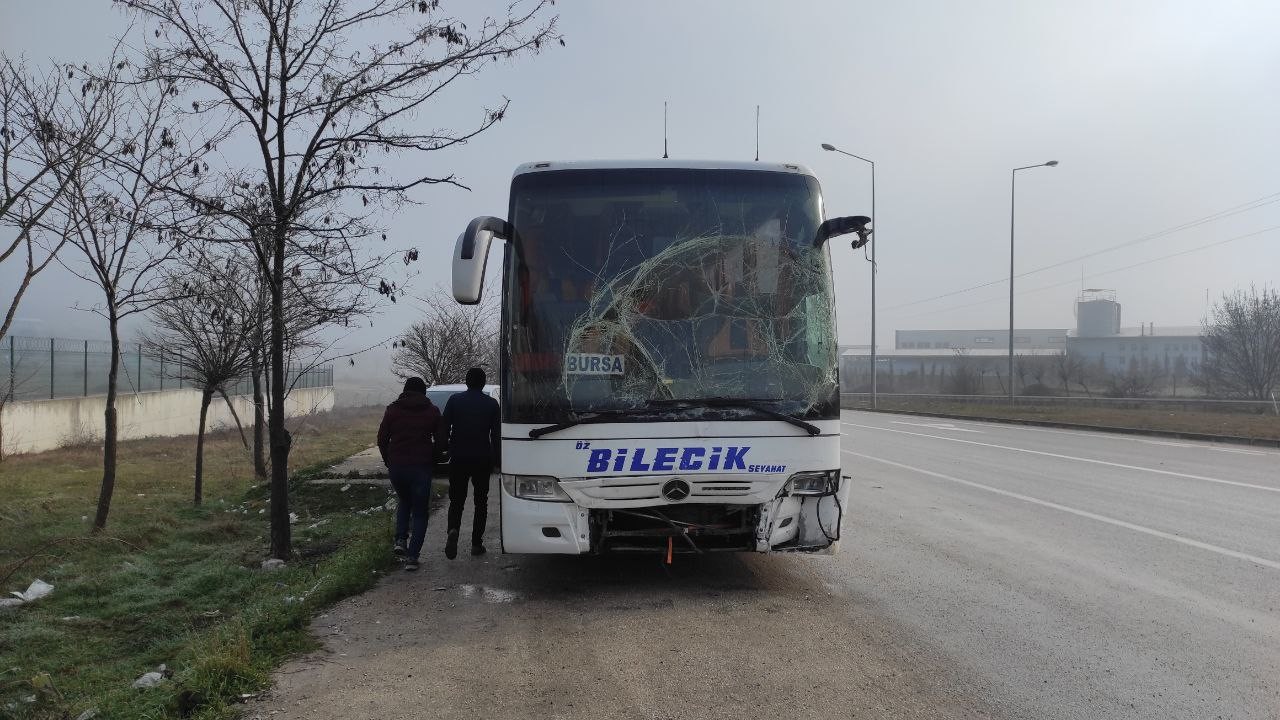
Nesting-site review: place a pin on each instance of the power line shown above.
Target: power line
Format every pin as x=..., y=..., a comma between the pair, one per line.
x=1104, y=272
x=1236, y=210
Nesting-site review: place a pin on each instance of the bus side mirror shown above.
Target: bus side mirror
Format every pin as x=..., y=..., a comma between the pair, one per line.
x=833, y=227
x=470, y=255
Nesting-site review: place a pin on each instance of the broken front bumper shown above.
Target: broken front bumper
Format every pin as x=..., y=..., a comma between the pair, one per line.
x=704, y=522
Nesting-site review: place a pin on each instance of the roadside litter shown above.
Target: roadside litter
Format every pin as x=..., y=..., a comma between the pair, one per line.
x=153, y=678
x=36, y=590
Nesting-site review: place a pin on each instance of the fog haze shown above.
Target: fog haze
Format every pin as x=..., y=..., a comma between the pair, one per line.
x=1160, y=113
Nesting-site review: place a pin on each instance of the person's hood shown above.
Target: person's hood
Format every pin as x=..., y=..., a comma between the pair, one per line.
x=413, y=401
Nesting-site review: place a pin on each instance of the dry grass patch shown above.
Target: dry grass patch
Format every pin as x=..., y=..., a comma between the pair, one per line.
x=1236, y=424
x=169, y=583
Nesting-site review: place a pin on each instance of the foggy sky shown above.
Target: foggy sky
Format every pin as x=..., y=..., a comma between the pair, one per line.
x=1159, y=112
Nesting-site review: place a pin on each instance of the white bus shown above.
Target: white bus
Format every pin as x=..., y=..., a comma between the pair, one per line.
x=668, y=357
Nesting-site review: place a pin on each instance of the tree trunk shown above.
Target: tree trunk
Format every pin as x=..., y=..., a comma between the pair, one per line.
x=259, y=420
x=109, y=428
x=281, y=542
x=244, y=440
x=205, y=397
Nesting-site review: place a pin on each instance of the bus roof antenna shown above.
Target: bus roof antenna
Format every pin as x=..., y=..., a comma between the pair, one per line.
x=664, y=129
x=757, y=133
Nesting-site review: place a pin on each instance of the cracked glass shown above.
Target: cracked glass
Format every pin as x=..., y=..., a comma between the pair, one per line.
x=634, y=287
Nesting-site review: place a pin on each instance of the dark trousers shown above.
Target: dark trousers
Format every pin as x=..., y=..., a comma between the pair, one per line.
x=412, y=484
x=462, y=472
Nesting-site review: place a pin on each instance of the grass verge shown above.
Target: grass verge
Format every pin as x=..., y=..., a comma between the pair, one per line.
x=169, y=583
x=1235, y=424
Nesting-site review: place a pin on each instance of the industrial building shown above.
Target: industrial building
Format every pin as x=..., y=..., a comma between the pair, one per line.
x=1098, y=337
x=1052, y=339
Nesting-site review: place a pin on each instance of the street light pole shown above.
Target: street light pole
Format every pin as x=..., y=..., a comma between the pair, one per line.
x=1013, y=194
x=874, y=225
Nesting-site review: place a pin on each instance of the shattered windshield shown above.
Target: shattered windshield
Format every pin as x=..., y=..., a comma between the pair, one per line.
x=632, y=287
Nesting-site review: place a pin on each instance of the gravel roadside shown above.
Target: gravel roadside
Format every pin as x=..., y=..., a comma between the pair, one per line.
x=502, y=636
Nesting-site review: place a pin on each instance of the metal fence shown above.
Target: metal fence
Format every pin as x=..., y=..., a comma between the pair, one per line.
x=921, y=400
x=47, y=368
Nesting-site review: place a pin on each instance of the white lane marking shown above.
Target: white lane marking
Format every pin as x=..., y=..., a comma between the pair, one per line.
x=1060, y=456
x=1238, y=451
x=937, y=426
x=1016, y=426
x=1082, y=513
x=1165, y=443
x=1120, y=437
x=1216, y=448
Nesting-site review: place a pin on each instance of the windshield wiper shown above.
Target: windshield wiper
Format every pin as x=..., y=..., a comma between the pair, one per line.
x=602, y=416
x=598, y=416
x=749, y=404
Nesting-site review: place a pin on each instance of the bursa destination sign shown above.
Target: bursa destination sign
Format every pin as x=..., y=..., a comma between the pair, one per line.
x=592, y=364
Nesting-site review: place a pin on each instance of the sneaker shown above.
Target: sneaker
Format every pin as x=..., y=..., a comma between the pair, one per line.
x=478, y=549
x=451, y=545
x=399, y=549
x=411, y=564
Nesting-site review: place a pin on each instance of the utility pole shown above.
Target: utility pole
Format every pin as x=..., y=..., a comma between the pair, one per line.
x=875, y=225
x=1013, y=195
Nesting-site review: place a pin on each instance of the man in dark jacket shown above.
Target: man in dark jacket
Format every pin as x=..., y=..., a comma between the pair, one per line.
x=472, y=424
x=406, y=439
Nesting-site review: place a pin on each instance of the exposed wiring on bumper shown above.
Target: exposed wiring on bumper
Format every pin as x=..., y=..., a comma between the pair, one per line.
x=817, y=512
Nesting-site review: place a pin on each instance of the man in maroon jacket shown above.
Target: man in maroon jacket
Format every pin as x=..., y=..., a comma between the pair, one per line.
x=406, y=439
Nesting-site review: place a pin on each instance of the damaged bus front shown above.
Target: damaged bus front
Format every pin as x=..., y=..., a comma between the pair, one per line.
x=668, y=354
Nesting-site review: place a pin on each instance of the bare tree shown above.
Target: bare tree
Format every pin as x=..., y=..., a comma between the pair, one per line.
x=1139, y=381
x=1205, y=378
x=319, y=105
x=448, y=340
x=966, y=376
x=254, y=300
x=1033, y=367
x=45, y=137
x=1242, y=345
x=313, y=300
x=1071, y=368
x=206, y=321
x=123, y=221
x=1064, y=368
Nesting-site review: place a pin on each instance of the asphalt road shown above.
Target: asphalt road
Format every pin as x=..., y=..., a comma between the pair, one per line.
x=1070, y=574
x=986, y=571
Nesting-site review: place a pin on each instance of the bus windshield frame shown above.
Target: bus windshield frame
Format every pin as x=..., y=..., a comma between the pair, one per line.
x=645, y=292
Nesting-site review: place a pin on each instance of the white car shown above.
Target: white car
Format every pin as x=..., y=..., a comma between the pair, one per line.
x=440, y=394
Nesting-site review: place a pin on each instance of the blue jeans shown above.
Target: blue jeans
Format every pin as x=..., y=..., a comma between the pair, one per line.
x=412, y=484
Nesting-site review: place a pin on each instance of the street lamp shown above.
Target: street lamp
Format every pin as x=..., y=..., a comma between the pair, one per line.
x=1013, y=194
x=874, y=223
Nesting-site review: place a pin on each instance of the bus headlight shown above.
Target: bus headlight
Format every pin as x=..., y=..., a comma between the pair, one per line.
x=820, y=482
x=535, y=487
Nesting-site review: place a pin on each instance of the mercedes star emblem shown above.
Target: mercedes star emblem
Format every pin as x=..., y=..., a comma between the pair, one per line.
x=675, y=490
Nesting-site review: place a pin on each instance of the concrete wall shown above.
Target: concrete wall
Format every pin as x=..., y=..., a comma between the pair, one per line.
x=39, y=425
